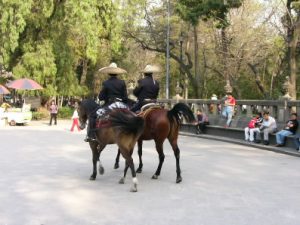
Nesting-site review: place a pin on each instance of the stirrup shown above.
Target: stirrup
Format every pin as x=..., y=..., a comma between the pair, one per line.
x=89, y=139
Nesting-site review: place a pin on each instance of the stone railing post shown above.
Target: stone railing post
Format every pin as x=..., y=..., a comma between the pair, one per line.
x=249, y=111
x=282, y=111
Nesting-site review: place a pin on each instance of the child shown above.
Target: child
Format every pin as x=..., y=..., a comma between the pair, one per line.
x=249, y=136
x=75, y=118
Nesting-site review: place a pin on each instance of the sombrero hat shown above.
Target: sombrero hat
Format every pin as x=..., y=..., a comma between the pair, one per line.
x=151, y=69
x=112, y=69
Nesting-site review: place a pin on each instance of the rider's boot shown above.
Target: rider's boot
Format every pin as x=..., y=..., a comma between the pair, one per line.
x=91, y=134
x=90, y=137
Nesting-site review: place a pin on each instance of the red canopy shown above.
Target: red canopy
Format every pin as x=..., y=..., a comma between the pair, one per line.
x=3, y=90
x=24, y=84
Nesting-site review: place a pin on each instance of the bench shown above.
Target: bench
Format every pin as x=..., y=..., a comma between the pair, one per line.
x=232, y=132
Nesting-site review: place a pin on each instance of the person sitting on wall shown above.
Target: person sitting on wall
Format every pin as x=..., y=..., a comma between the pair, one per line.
x=267, y=127
x=257, y=119
x=290, y=129
x=202, y=121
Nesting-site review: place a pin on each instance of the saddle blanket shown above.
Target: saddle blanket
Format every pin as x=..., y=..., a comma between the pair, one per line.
x=102, y=114
x=116, y=105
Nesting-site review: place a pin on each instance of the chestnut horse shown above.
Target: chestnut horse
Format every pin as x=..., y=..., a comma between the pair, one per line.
x=162, y=124
x=122, y=128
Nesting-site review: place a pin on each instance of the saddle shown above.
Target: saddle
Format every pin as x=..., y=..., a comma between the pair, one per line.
x=146, y=109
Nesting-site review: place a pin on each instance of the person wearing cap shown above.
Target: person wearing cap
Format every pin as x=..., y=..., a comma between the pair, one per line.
x=113, y=90
x=147, y=89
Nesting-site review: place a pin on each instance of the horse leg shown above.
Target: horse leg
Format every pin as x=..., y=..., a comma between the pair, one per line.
x=133, y=173
x=159, y=149
x=140, y=153
x=116, y=166
x=177, y=157
x=129, y=163
x=96, y=155
x=122, y=180
x=100, y=149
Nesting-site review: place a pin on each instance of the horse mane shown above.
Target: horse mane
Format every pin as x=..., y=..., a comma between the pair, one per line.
x=90, y=105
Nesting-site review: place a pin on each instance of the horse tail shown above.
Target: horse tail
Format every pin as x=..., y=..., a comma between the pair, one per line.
x=175, y=114
x=178, y=111
x=127, y=122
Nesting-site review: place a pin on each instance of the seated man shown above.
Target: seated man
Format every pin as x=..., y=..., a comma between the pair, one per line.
x=147, y=89
x=113, y=90
x=202, y=121
x=257, y=119
x=290, y=128
x=267, y=127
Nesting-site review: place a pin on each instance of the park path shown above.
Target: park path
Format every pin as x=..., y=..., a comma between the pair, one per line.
x=44, y=175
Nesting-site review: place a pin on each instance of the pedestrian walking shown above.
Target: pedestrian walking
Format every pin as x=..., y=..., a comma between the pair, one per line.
x=229, y=109
x=75, y=119
x=53, y=113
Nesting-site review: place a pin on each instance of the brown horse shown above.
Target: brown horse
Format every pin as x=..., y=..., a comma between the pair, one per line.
x=162, y=124
x=122, y=128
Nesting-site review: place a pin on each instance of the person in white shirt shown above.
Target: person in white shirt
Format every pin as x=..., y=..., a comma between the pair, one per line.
x=75, y=118
x=268, y=126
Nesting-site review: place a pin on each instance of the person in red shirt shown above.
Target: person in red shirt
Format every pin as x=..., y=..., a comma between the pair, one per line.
x=229, y=109
x=249, y=136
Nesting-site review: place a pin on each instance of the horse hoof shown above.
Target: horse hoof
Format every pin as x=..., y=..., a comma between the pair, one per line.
x=121, y=181
x=178, y=180
x=116, y=166
x=92, y=177
x=134, y=188
x=101, y=170
x=154, y=177
x=139, y=170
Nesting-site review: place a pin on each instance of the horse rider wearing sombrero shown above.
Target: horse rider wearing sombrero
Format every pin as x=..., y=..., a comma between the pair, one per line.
x=113, y=90
x=147, y=89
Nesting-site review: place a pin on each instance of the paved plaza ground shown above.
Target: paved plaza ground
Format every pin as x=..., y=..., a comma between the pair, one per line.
x=44, y=179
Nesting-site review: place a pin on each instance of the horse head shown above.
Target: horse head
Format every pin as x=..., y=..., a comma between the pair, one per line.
x=82, y=116
x=86, y=107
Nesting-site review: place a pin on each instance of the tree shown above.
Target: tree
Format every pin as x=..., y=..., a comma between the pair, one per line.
x=12, y=23
x=194, y=10
x=291, y=21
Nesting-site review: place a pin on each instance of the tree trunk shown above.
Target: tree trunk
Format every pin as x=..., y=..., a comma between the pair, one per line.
x=224, y=53
x=196, y=59
x=84, y=71
x=293, y=59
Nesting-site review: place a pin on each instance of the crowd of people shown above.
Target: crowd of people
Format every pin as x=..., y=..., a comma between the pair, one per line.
x=259, y=127
x=266, y=124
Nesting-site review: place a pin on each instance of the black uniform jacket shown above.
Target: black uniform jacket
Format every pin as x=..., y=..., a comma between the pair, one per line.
x=113, y=89
x=147, y=88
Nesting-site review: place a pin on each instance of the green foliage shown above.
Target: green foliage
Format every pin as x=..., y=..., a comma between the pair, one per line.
x=57, y=43
x=193, y=10
x=65, y=112
x=40, y=66
x=37, y=116
x=41, y=113
x=62, y=44
x=13, y=15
